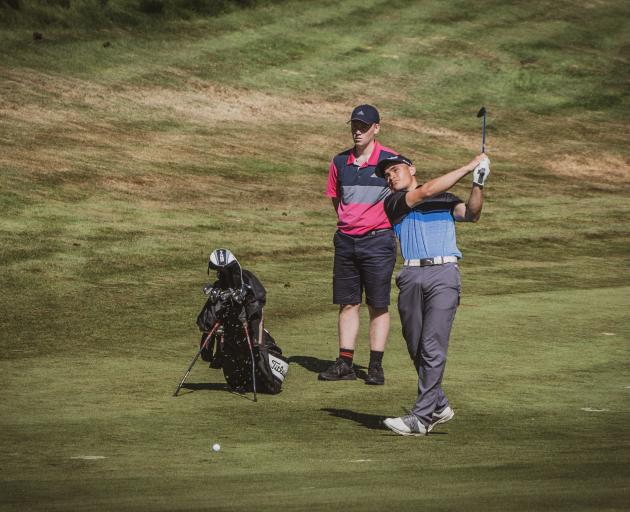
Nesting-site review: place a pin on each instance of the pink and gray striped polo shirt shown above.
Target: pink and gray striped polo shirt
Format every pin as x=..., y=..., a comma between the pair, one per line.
x=360, y=191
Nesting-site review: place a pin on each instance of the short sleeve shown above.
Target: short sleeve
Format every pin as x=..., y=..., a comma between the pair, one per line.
x=453, y=200
x=396, y=206
x=332, y=188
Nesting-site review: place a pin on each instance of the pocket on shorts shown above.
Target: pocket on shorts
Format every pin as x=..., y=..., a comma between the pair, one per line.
x=394, y=241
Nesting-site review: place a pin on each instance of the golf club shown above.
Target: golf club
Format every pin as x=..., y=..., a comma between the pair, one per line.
x=482, y=113
x=251, y=353
x=194, y=360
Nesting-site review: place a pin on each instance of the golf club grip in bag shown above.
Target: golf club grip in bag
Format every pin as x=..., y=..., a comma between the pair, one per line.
x=218, y=307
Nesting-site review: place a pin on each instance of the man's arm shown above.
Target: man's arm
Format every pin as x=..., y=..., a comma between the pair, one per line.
x=332, y=186
x=442, y=183
x=471, y=210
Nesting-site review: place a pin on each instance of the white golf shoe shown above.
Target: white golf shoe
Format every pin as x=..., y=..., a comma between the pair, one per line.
x=447, y=414
x=408, y=425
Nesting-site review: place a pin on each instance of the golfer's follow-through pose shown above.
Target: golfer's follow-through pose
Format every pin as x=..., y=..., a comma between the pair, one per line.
x=365, y=246
x=423, y=220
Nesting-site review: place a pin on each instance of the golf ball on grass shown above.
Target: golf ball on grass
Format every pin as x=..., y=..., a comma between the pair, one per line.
x=216, y=447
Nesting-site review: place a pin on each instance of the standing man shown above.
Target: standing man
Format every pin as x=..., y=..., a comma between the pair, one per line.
x=429, y=281
x=365, y=246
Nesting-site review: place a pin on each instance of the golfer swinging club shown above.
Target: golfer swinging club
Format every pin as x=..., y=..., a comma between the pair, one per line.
x=423, y=220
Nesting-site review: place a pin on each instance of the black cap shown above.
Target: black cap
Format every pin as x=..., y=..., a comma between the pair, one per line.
x=366, y=113
x=388, y=162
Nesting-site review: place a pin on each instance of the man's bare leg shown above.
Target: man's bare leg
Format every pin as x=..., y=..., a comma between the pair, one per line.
x=348, y=328
x=379, y=328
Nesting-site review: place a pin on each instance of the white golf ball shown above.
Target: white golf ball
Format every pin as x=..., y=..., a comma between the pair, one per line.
x=216, y=447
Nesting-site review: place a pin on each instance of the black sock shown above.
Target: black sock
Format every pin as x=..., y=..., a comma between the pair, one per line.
x=347, y=355
x=376, y=358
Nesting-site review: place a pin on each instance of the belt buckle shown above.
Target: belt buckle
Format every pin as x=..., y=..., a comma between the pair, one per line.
x=425, y=262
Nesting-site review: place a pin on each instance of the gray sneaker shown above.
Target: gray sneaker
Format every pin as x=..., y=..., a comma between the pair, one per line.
x=447, y=414
x=408, y=425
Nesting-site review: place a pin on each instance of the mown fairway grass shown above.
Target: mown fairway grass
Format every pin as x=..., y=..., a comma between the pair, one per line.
x=123, y=166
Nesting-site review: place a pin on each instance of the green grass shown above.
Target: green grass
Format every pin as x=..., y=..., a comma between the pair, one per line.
x=123, y=166
x=521, y=440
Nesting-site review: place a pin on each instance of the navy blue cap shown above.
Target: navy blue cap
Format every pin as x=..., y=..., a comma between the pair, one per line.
x=388, y=162
x=366, y=113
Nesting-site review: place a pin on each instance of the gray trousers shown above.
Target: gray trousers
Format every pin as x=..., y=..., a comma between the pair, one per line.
x=427, y=303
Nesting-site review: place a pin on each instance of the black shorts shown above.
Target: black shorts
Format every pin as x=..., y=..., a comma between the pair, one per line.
x=364, y=262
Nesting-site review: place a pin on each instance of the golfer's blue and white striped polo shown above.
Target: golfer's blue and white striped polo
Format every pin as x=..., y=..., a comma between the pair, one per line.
x=428, y=229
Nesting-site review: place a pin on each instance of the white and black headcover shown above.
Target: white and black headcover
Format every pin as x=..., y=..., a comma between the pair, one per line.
x=229, y=270
x=220, y=258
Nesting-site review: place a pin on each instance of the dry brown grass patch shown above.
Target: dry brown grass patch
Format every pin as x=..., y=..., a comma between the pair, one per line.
x=604, y=168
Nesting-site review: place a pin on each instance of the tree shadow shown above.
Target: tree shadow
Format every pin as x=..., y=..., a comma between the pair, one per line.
x=371, y=421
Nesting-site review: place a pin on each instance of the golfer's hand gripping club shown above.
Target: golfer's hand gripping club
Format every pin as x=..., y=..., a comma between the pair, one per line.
x=481, y=172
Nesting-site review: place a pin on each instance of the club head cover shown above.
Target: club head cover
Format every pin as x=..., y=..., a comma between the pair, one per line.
x=220, y=258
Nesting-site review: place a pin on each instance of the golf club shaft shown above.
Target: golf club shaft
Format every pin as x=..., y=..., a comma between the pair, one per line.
x=194, y=359
x=251, y=353
x=483, y=134
x=192, y=363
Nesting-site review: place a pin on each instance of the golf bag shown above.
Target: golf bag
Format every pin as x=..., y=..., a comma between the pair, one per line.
x=233, y=337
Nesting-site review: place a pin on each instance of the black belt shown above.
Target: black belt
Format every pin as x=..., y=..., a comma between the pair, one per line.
x=369, y=233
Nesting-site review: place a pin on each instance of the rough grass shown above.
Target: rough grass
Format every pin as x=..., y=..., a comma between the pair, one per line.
x=123, y=166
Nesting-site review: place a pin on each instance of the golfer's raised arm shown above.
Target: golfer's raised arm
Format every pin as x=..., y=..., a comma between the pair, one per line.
x=442, y=183
x=471, y=210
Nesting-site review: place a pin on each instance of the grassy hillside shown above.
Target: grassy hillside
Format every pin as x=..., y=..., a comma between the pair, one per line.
x=88, y=15
x=128, y=151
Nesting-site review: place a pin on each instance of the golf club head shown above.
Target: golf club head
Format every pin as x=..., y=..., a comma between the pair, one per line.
x=482, y=112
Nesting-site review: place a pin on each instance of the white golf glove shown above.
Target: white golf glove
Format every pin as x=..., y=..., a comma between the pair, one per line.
x=481, y=172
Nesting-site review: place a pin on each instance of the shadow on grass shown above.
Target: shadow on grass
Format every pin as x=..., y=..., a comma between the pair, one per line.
x=360, y=371
x=371, y=421
x=312, y=364
x=315, y=365
x=210, y=386
x=213, y=386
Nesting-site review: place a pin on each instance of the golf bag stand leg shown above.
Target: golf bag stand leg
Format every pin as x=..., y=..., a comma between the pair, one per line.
x=194, y=360
x=251, y=353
